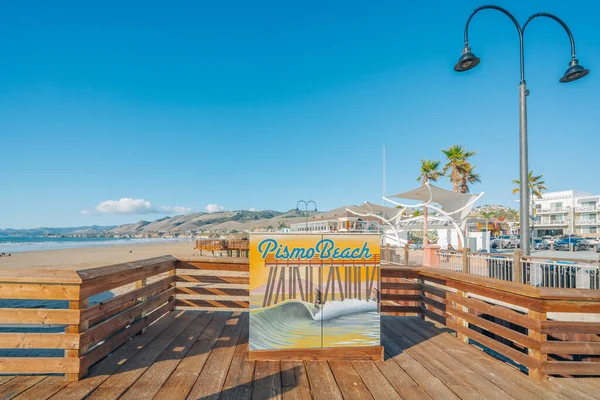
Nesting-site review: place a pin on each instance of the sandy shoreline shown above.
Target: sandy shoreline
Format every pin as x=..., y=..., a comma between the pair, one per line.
x=82, y=258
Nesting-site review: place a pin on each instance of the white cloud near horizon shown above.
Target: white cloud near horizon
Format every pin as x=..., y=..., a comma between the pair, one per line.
x=211, y=208
x=252, y=209
x=129, y=206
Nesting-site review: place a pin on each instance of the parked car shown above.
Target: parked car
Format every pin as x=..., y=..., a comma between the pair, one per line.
x=509, y=241
x=578, y=244
x=593, y=241
x=541, y=244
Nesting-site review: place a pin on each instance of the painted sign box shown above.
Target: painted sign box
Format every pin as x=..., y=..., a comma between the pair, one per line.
x=314, y=291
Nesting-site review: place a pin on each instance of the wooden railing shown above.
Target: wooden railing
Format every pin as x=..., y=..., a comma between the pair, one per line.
x=233, y=247
x=64, y=310
x=208, y=284
x=544, y=331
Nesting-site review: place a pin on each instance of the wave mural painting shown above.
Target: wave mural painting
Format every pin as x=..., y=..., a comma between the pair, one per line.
x=314, y=291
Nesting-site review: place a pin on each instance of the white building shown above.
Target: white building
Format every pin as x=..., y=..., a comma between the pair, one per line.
x=569, y=211
x=338, y=224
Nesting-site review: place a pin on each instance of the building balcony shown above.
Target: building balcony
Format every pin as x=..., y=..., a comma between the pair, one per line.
x=587, y=208
x=587, y=222
x=547, y=222
x=562, y=210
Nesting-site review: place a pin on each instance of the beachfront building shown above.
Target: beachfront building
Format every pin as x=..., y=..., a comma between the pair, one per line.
x=343, y=223
x=567, y=212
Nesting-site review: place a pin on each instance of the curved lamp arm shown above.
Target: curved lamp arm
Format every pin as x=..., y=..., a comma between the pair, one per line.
x=560, y=21
x=310, y=201
x=514, y=20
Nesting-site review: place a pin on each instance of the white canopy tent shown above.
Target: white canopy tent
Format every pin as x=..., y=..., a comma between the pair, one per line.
x=388, y=215
x=450, y=206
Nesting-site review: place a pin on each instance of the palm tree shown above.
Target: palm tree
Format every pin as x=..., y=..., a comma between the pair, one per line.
x=537, y=187
x=459, y=166
x=468, y=177
x=429, y=173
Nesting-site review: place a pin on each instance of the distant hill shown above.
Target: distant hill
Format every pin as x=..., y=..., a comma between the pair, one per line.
x=35, y=232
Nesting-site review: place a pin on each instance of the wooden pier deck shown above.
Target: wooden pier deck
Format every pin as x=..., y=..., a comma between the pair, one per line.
x=202, y=355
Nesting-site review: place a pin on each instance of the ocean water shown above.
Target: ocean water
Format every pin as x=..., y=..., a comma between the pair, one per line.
x=297, y=324
x=11, y=244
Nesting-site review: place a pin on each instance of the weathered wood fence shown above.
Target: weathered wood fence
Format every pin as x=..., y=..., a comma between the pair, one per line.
x=545, y=331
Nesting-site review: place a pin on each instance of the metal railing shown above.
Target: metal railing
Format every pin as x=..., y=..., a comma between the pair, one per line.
x=557, y=273
x=451, y=260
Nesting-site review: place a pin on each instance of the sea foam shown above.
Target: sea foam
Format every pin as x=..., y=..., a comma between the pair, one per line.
x=335, y=308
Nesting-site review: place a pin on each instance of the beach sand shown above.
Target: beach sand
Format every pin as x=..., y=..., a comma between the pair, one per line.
x=82, y=258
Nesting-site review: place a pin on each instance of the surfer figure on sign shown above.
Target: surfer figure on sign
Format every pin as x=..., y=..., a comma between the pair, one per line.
x=374, y=295
x=318, y=303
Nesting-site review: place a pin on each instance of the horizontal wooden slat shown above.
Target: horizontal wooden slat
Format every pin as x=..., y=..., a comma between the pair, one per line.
x=98, y=280
x=212, y=304
x=213, y=291
x=496, y=311
x=572, y=368
x=572, y=305
x=582, y=327
x=39, y=365
x=40, y=291
x=434, y=291
x=558, y=347
x=38, y=316
x=99, y=309
x=213, y=279
x=433, y=302
x=117, y=340
x=491, y=327
x=434, y=316
x=220, y=266
x=103, y=330
x=399, y=272
x=506, y=351
x=38, y=275
x=205, y=272
x=399, y=309
x=400, y=297
x=39, y=340
x=400, y=286
x=216, y=297
x=180, y=284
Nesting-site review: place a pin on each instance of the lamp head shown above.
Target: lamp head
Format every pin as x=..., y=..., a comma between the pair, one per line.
x=466, y=61
x=574, y=72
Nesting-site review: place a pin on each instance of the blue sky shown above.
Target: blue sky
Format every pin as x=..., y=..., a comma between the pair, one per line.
x=259, y=104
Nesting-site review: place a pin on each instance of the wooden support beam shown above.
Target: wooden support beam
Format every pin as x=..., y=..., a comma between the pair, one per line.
x=80, y=350
x=538, y=373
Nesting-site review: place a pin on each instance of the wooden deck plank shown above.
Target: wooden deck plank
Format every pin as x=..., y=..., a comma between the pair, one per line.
x=560, y=386
x=183, y=378
x=322, y=381
x=44, y=389
x=238, y=384
x=154, y=377
x=294, y=381
x=512, y=381
x=267, y=380
x=213, y=375
x=375, y=381
x=403, y=383
x=133, y=368
x=349, y=381
x=486, y=387
x=103, y=370
x=430, y=383
x=428, y=359
x=5, y=378
x=17, y=385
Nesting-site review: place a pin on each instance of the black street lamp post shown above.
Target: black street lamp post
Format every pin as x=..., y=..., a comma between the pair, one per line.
x=468, y=60
x=306, y=203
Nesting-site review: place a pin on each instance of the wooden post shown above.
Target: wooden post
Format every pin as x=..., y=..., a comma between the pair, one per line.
x=517, y=270
x=465, y=260
x=82, y=327
x=140, y=284
x=406, y=254
x=537, y=373
x=461, y=321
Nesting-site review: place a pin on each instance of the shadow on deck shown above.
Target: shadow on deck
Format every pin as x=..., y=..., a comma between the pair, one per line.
x=202, y=355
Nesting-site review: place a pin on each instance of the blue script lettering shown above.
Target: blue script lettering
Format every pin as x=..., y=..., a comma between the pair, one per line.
x=325, y=248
